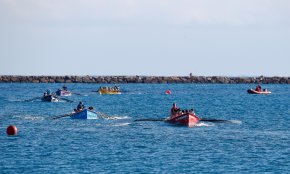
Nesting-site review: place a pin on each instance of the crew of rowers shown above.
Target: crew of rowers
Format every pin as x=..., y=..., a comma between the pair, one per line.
x=48, y=91
x=175, y=111
x=113, y=88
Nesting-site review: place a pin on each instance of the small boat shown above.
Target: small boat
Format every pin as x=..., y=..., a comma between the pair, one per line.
x=252, y=91
x=84, y=114
x=187, y=119
x=62, y=92
x=50, y=98
x=109, y=90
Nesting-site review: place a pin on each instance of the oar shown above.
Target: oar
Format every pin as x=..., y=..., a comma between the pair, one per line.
x=67, y=100
x=100, y=114
x=64, y=115
x=214, y=120
x=29, y=100
x=77, y=93
x=151, y=119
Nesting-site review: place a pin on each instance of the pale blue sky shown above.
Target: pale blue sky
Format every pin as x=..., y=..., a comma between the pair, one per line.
x=145, y=37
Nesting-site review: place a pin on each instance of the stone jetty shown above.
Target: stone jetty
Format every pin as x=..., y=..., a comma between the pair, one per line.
x=144, y=79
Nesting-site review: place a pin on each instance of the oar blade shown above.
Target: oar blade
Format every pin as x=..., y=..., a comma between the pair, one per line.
x=67, y=100
x=61, y=116
x=151, y=119
x=214, y=120
x=76, y=93
x=30, y=100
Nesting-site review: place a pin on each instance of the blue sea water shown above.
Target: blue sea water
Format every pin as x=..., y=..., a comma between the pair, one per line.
x=256, y=140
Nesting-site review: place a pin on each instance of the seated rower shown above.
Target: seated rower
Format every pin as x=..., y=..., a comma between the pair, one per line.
x=192, y=111
x=80, y=107
x=174, y=110
x=258, y=88
x=48, y=92
x=64, y=88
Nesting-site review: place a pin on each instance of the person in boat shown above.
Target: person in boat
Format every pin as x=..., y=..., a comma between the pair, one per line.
x=116, y=88
x=192, y=111
x=64, y=88
x=174, y=110
x=48, y=92
x=80, y=106
x=258, y=88
x=58, y=91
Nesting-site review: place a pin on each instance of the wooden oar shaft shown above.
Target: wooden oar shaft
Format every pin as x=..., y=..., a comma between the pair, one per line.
x=76, y=93
x=213, y=120
x=151, y=119
x=66, y=100
x=61, y=116
x=32, y=99
x=100, y=114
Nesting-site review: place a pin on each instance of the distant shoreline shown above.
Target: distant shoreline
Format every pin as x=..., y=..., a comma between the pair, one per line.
x=143, y=79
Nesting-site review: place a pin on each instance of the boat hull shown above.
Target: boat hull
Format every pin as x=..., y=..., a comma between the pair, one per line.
x=84, y=114
x=63, y=93
x=188, y=119
x=104, y=91
x=252, y=91
x=50, y=98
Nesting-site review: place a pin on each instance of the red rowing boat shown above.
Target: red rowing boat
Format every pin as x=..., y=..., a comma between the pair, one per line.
x=187, y=119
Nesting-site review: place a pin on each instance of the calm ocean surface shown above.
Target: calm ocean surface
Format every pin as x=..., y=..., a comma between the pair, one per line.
x=256, y=141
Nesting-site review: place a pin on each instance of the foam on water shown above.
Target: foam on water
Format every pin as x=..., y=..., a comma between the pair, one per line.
x=200, y=124
x=235, y=121
x=28, y=117
x=120, y=124
x=118, y=117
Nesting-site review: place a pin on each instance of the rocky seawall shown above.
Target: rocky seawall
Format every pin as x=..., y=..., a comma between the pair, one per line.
x=144, y=79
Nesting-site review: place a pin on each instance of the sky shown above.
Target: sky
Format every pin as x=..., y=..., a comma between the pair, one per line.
x=145, y=37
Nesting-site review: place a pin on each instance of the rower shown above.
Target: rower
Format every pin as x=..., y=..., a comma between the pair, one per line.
x=48, y=92
x=258, y=88
x=80, y=106
x=174, y=110
x=64, y=88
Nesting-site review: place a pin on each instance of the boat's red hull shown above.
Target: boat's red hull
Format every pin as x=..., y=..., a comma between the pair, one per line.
x=188, y=119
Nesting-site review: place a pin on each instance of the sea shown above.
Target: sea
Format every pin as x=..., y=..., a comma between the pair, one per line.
x=255, y=138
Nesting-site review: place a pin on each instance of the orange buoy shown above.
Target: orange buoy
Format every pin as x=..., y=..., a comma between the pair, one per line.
x=11, y=130
x=168, y=92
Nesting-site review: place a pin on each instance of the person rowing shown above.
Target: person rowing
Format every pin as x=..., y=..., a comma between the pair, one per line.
x=258, y=88
x=80, y=107
x=64, y=88
x=174, y=110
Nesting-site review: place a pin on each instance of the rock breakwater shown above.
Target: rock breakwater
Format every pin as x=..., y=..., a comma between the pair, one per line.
x=144, y=79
